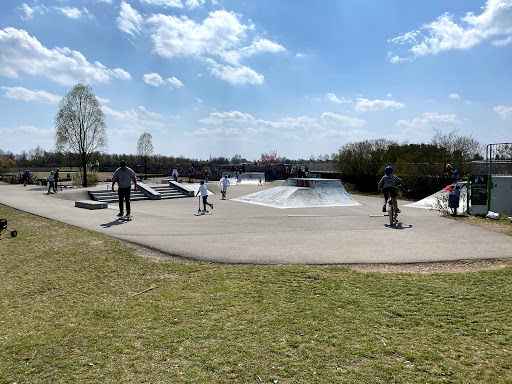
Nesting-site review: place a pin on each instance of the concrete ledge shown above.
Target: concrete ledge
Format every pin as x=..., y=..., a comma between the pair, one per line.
x=89, y=204
x=148, y=191
x=184, y=188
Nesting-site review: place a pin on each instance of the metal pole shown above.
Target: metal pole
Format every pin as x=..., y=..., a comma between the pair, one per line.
x=489, y=188
x=468, y=193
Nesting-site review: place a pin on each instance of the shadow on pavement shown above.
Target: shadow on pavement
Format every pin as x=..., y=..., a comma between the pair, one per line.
x=398, y=226
x=113, y=223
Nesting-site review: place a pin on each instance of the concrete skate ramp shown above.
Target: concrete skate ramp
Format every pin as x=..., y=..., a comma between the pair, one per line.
x=439, y=200
x=302, y=193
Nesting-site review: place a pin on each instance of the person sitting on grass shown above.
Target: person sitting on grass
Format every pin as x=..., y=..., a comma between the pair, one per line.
x=388, y=185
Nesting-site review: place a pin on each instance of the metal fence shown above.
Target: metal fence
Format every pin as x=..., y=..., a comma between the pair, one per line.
x=498, y=158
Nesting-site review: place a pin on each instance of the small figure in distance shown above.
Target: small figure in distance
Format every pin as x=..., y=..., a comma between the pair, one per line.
x=56, y=179
x=175, y=173
x=190, y=174
x=51, y=182
x=25, y=177
x=124, y=177
x=225, y=182
x=204, y=194
x=388, y=185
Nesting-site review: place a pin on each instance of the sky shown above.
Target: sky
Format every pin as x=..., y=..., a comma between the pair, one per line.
x=224, y=77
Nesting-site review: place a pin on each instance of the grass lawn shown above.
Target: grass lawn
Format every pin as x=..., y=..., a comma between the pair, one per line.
x=69, y=314
x=504, y=225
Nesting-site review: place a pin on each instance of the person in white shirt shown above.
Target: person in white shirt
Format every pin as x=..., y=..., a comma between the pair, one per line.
x=175, y=173
x=51, y=183
x=225, y=182
x=204, y=194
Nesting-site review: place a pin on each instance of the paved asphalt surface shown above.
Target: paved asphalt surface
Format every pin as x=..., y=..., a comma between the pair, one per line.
x=235, y=232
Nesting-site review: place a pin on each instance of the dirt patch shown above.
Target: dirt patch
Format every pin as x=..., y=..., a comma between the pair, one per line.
x=460, y=266
x=159, y=257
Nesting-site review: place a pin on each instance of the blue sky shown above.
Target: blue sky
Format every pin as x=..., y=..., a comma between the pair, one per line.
x=225, y=77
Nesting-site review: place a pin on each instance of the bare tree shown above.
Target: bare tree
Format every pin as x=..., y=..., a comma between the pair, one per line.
x=145, y=149
x=80, y=125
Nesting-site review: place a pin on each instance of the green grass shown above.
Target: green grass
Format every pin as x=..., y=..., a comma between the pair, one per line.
x=67, y=315
x=504, y=225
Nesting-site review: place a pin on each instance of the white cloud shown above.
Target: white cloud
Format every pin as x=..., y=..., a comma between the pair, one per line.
x=334, y=99
x=121, y=74
x=218, y=37
x=445, y=34
x=262, y=45
x=389, y=95
x=223, y=118
x=164, y=3
x=174, y=36
x=454, y=96
x=37, y=96
x=156, y=80
x=333, y=120
x=73, y=13
x=153, y=115
x=503, y=112
x=377, y=105
x=302, y=129
x=23, y=53
x=153, y=79
x=221, y=131
x=174, y=3
x=29, y=130
x=29, y=12
x=503, y=42
x=134, y=122
x=102, y=100
x=174, y=82
x=237, y=75
x=429, y=119
x=129, y=20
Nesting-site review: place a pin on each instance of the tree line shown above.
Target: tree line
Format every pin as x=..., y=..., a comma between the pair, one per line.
x=423, y=166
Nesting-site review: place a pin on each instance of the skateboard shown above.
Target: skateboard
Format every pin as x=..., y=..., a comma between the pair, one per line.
x=126, y=218
x=201, y=213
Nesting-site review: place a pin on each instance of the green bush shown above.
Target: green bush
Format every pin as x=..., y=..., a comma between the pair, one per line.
x=77, y=179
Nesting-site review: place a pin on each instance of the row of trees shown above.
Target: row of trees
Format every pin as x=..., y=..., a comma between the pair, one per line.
x=422, y=165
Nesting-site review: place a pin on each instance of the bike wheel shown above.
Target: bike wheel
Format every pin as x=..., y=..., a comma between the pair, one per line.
x=391, y=214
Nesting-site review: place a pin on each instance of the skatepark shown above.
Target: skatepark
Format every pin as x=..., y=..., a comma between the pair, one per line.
x=239, y=232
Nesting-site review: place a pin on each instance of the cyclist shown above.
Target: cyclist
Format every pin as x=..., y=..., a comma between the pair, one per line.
x=388, y=185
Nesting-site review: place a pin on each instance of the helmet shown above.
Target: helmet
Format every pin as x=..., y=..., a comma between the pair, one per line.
x=52, y=172
x=388, y=170
x=448, y=165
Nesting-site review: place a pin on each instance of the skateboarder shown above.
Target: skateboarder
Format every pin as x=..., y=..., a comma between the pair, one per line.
x=225, y=182
x=124, y=177
x=204, y=195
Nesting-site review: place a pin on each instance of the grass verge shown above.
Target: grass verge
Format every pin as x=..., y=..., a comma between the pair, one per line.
x=68, y=314
x=504, y=225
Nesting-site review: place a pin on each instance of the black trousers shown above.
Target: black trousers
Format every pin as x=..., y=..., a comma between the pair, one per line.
x=124, y=194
